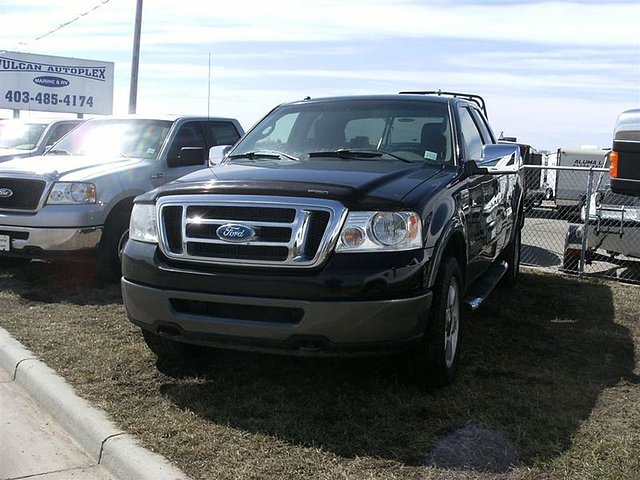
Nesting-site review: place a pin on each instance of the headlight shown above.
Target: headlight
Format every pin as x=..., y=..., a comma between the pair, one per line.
x=143, y=223
x=380, y=231
x=67, y=192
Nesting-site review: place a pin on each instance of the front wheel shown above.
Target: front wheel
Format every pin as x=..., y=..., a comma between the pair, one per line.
x=166, y=348
x=435, y=361
x=13, y=262
x=116, y=234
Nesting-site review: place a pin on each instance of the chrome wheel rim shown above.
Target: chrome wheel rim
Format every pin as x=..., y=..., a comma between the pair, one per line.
x=452, y=323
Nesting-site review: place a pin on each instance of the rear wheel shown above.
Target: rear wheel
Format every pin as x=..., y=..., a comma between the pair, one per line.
x=435, y=361
x=511, y=255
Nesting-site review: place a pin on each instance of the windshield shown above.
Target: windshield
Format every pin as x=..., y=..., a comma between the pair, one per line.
x=388, y=130
x=128, y=138
x=21, y=136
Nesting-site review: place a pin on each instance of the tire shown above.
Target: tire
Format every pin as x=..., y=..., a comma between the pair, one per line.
x=116, y=233
x=570, y=263
x=434, y=362
x=571, y=256
x=166, y=348
x=511, y=255
x=13, y=262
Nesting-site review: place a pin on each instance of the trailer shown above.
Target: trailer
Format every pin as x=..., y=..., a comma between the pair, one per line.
x=571, y=186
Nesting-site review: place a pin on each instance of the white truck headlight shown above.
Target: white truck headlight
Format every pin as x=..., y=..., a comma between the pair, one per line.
x=143, y=225
x=72, y=192
x=380, y=231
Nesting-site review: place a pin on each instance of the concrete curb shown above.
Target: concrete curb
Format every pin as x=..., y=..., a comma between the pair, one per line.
x=104, y=442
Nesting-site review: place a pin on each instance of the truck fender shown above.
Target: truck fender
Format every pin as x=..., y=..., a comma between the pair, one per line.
x=454, y=227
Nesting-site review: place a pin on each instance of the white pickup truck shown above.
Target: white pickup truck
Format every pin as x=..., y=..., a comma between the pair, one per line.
x=74, y=202
x=20, y=138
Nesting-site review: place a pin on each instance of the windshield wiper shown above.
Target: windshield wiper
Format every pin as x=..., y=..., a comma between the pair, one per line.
x=264, y=154
x=357, y=154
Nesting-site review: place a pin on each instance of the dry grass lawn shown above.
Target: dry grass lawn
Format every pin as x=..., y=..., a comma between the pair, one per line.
x=552, y=367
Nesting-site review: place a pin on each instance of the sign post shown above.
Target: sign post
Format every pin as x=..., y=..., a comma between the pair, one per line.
x=55, y=84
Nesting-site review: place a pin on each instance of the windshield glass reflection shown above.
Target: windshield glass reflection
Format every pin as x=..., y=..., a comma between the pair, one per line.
x=128, y=138
x=20, y=136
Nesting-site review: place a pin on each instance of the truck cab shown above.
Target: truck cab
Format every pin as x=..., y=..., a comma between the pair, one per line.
x=625, y=154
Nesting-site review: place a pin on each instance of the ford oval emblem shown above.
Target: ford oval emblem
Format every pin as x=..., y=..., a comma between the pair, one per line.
x=235, y=233
x=49, y=81
x=6, y=193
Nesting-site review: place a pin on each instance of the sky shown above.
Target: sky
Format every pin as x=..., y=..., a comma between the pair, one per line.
x=554, y=74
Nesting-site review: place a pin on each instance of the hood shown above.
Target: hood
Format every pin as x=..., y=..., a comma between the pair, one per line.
x=375, y=183
x=9, y=153
x=74, y=168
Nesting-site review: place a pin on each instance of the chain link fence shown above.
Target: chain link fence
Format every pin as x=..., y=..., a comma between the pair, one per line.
x=574, y=223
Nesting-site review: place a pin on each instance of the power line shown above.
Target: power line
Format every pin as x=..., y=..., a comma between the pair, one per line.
x=62, y=25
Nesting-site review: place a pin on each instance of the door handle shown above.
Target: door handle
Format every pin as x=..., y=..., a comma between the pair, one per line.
x=156, y=176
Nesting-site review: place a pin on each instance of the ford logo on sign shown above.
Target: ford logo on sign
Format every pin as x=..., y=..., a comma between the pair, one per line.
x=6, y=192
x=51, y=81
x=235, y=233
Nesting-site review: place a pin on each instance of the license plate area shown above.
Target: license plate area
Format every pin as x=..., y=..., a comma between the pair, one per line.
x=5, y=243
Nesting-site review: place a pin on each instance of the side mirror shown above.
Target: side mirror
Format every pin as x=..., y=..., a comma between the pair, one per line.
x=217, y=154
x=497, y=159
x=188, y=156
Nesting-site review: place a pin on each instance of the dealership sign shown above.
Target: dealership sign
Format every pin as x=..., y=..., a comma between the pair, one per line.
x=55, y=84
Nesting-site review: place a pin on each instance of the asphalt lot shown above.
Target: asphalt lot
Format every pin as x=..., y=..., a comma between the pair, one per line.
x=543, y=240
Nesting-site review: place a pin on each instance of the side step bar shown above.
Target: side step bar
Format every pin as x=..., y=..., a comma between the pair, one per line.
x=480, y=290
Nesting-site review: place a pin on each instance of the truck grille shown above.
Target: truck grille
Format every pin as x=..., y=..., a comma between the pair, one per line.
x=21, y=193
x=290, y=232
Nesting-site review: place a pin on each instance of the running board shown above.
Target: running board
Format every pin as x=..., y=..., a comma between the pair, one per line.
x=480, y=290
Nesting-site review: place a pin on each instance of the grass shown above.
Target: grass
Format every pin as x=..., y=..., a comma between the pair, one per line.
x=553, y=366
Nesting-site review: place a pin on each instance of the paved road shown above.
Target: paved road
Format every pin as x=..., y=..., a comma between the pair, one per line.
x=33, y=445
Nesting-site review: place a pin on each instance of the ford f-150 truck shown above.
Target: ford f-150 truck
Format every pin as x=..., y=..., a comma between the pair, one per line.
x=351, y=225
x=74, y=202
x=28, y=139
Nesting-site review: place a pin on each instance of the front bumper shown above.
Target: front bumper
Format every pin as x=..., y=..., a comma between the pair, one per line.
x=305, y=327
x=44, y=242
x=354, y=304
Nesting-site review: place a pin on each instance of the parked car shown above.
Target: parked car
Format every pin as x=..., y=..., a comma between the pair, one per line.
x=74, y=202
x=337, y=226
x=27, y=139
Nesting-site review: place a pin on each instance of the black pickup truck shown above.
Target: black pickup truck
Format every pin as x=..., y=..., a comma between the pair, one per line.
x=345, y=226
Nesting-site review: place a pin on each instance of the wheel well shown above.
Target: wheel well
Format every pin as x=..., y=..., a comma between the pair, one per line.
x=123, y=207
x=456, y=248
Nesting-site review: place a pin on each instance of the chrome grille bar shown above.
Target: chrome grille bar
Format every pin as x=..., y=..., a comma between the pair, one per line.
x=256, y=251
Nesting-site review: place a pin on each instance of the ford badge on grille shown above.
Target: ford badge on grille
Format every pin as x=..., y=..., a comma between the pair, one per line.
x=235, y=233
x=6, y=192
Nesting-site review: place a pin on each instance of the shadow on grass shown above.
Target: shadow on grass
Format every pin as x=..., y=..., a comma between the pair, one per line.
x=535, y=361
x=59, y=282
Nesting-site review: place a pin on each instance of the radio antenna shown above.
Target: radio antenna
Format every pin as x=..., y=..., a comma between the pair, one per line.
x=209, y=90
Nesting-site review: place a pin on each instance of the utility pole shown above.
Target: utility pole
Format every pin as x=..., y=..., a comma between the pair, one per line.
x=135, y=59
